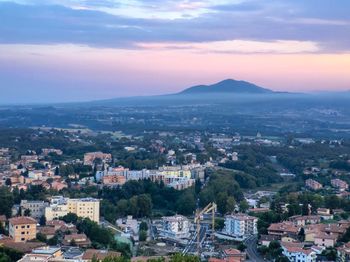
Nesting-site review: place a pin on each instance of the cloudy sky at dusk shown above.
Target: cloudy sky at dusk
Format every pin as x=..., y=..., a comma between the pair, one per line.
x=74, y=50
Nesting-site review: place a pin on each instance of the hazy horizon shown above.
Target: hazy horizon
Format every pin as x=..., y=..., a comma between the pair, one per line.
x=76, y=50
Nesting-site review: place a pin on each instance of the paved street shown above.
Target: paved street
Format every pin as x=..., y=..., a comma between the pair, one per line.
x=252, y=251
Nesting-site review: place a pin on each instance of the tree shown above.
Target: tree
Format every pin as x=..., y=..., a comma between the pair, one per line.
x=305, y=209
x=144, y=203
x=6, y=200
x=241, y=247
x=27, y=212
x=4, y=258
x=243, y=206
x=142, y=235
x=53, y=241
x=8, y=182
x=219, y=224
x=41, y=237
x=73, y=243
x=112, y=259
x=301, y=235
x=230, y=204
x=186, y=204
x=57, y=171
x=42, y=220
x=184, y=258
x=143, y=226
x=70, y=218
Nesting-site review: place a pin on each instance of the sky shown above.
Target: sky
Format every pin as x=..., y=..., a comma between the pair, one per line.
x=81, y=50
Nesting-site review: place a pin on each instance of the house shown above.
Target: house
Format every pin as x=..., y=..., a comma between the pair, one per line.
x=235, y=254
x=324, y=213
x=90, y=158
x=80, y=240
x=283, y=228
x=98, y=255
x=52, y=251
x=48, y=231
x=305, y=220
x=325, y=240
x=298, y=254
x=339, y=184
x=265, y=240
x=343, y=253
x=313, y=184
x=35, y=258
x=22, y=229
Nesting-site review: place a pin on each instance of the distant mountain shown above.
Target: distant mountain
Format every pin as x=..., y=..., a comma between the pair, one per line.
x=227, y=86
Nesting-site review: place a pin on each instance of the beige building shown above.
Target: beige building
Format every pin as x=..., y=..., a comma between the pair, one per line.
x=22, y=229
x=82, y=207
x=313, y=184
x=89, y=158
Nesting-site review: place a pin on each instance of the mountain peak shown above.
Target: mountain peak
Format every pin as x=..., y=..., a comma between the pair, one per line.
x=227, y=86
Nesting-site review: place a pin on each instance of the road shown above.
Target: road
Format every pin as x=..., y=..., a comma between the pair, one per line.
x=252, y=250
x=192, y=244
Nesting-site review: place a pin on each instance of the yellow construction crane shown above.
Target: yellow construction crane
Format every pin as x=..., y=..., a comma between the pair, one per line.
x=211, y=207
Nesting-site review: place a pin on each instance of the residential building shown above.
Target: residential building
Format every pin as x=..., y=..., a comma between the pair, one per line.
x=82, y=207
x=98, y=255
x=283, y=228
x=89, y=158
x=80, y=240
x=52, y=251
x=235, y=255
x=176, y=227
x=36, y=208
x=340, y=184
x=114, y=180
x=325, y=239
x=313, y=184
x=22, y=229
x=47, y=151
x=305, y=220
x=298, y=254
x=265, y=240
x=343, y=253
x=324, y=213
x=240, y=225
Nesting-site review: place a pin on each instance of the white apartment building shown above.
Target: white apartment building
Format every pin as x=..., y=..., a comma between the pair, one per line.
x=82, y=207
x=298, y=254
x=176, y=227
x=240, y=225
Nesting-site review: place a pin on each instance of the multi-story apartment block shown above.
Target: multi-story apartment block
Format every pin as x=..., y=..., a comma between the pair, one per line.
x=29, y=159
x=175, y=227
x=22, y=229
x=340, y=184
x=89, y=158
x=114, y=180
x=36, y=208
x=47, y=151
x=175, y=171
x=82, y=207
x=240, y=225
x=313, y=184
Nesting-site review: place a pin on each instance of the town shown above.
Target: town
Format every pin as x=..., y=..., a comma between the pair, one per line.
x=211, y=196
